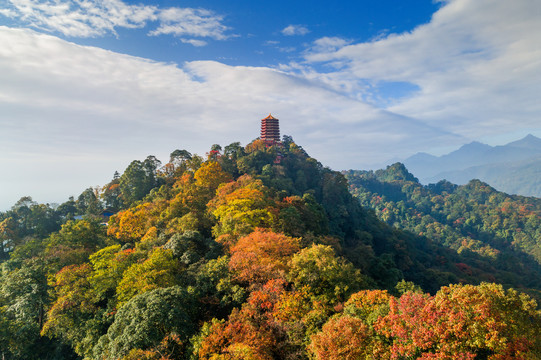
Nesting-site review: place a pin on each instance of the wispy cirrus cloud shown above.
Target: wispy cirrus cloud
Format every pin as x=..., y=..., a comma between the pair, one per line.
x=84, y=18
x=291, y=30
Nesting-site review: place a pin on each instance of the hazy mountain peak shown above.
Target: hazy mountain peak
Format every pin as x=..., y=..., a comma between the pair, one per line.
x=421, y=156
x=475, y=146
x=529, y=142
x=513, y=168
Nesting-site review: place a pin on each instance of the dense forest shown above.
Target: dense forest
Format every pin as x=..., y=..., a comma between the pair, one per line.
x=474, y=219
x=260, y=252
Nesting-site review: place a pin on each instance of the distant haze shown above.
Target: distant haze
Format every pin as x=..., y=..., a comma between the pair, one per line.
x=514, y=168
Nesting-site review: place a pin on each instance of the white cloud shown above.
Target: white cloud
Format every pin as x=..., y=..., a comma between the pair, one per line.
x=194, y=42
x=8, y=13
x=81, y=113
x=86, y=18
x=198, y=22
x=295, y=30
x=477, y=65
x=324, y=47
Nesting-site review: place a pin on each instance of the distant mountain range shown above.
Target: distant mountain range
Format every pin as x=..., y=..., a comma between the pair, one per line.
x=514, y=168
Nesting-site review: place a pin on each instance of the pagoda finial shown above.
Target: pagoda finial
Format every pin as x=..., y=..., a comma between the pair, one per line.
x=270, y=116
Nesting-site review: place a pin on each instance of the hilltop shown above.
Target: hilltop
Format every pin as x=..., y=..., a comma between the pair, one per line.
x=255, y=252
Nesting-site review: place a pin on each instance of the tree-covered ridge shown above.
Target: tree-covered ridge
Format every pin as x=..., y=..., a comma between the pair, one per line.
x=255, y=252
x=473, y=219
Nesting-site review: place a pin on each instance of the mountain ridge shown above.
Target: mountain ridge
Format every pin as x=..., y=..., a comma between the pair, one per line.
x=512, y=168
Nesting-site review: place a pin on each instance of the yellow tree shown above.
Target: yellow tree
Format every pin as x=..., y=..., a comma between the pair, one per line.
x=330, y=278
x=132, y=224
x=160, y=270
x=187, y=210
x=241, y=206
x=210, y=175
x=76, y=303
x=108, y=266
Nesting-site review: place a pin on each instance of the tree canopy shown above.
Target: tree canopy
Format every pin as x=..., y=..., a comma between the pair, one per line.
x=260, y=252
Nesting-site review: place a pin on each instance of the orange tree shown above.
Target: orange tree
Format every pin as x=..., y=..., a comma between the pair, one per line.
x=261, y=256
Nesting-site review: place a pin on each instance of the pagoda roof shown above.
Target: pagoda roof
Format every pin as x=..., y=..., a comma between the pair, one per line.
x=270, y=117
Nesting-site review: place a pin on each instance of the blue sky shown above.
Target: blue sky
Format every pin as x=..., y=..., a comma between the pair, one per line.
x=88, y=86
x=253, y=31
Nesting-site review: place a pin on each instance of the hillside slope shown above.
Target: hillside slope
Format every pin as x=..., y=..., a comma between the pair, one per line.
x=470, y=219
x=256, y=252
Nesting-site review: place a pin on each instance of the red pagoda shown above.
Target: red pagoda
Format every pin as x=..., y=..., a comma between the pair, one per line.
x=270, y=130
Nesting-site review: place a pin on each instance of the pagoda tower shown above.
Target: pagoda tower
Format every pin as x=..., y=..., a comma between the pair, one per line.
x=270, y=130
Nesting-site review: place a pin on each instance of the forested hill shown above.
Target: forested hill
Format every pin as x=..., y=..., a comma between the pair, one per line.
x=474, y=219
x=255, y=252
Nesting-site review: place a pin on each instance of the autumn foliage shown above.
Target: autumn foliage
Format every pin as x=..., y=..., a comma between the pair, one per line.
x=344, y=337
x=459, y=322
x=261, y=256
x=254, y=256
x=463, y=321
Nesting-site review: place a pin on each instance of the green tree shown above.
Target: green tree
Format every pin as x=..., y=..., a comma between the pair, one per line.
x=67, y=209
x=111, y=194
x=190, y=247
x=138, y=179
x=328, y=277
x=74, y=243
x=217, y=292
x=23, y=298
x=108, y=265
x=145, y=320
x=33, y=219
x=8, y=237
x=88, y=203
x=178, y=163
